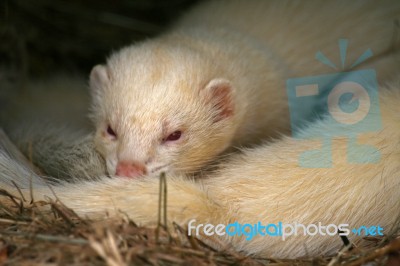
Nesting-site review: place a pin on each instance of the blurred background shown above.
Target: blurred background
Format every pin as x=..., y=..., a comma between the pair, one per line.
x=46, y=35
x=55, y=40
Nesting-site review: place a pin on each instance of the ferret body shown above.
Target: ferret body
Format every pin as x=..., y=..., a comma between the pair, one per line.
x=217, y=78
x=264, y=184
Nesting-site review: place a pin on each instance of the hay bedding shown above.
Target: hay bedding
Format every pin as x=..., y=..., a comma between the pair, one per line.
x=45, y=36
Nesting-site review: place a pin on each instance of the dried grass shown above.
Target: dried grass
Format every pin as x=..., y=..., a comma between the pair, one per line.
x=33, y=235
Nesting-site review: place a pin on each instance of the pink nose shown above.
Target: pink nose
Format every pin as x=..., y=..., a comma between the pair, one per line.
x=130, y=169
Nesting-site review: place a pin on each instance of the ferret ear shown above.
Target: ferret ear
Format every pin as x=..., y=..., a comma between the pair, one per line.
x=99, y=77
x=218, y=92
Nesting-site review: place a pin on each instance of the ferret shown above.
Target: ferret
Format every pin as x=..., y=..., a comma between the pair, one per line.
x=263, y=184
x=216, y=79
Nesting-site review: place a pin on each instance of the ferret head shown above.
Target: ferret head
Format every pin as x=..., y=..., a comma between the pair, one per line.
x=160, y=109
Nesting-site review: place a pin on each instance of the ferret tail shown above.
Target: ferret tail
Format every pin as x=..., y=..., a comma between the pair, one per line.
x=59, y=151
x=17, y=174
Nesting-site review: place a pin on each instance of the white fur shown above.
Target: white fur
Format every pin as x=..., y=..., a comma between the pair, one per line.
x=264, y=184
x=256, y=46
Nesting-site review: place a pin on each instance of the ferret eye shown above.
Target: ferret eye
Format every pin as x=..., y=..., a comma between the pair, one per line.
x=174, y=136
x=111, y=132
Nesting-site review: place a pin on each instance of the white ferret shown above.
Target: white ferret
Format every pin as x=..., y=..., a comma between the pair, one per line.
x=264, y=184
x=217, y=78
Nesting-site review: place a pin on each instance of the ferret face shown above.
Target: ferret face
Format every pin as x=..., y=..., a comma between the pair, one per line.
x=156, y=114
